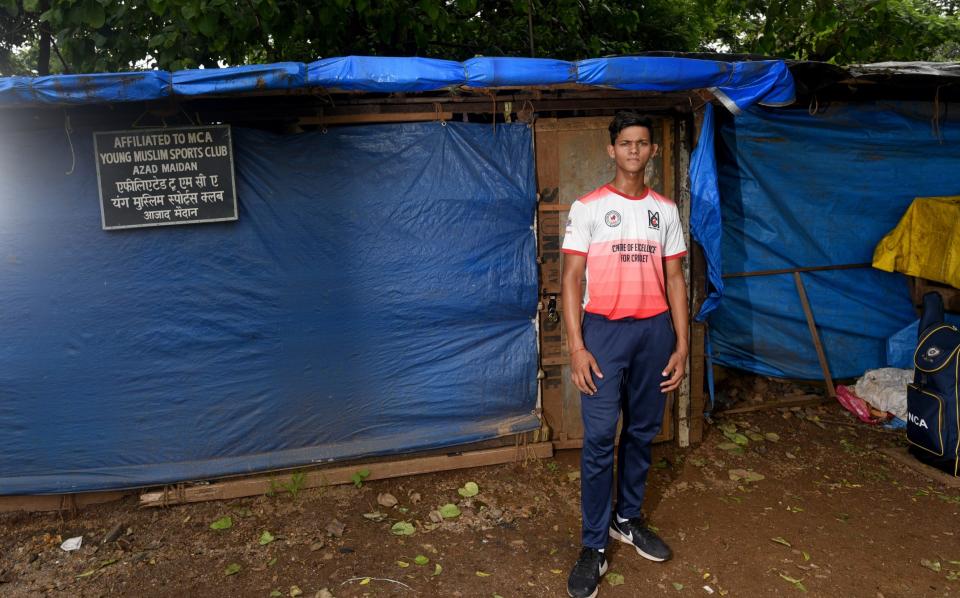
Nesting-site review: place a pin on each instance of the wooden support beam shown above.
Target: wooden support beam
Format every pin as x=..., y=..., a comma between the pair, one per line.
x=374, y=117
x=801, y=402
x=57, y=502
x=824, y=366
x=315, y=478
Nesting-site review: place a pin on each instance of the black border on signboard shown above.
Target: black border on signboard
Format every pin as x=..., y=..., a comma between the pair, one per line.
x=233, y=178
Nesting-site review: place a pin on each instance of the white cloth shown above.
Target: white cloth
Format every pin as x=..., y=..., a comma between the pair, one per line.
x=886, y=390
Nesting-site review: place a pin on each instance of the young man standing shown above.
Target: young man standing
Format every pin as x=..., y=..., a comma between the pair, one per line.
x=630, y=347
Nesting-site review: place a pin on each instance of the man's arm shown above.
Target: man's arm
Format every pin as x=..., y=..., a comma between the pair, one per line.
x=581, y=360
x=677, y=298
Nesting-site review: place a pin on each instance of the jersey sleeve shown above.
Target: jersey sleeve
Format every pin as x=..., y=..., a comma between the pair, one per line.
x=576, y=238
x=674, y=246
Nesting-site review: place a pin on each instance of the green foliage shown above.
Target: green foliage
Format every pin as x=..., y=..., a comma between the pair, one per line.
x=116, y=35
x=842, y=31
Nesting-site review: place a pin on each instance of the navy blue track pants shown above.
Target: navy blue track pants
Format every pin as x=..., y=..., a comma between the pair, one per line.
x=631, y=354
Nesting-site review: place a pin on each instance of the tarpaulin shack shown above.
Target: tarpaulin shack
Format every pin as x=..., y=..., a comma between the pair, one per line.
x=328, y=292
x=806, y=193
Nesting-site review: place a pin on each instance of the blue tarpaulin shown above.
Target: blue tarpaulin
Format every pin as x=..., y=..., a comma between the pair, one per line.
x=737, y=84
x=376, y=295
x=802, y=190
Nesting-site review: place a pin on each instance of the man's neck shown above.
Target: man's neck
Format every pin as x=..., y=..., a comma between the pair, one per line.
x=630, y=184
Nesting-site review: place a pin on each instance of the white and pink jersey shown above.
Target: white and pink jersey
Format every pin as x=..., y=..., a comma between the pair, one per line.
x=626, y=240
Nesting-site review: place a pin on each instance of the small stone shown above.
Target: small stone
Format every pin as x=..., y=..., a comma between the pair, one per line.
x=345, y=550
x=324, y=593
x=385, y=499
x=414, y=497
x=436, y=517
x=317, y=546
x=328, y=556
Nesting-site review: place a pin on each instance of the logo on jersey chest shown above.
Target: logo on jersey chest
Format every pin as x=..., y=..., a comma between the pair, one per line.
x=613, y=218
x=653, y=219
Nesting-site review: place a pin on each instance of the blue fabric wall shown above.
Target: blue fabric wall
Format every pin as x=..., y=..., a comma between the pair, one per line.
x=799, y=190
x=375, y=296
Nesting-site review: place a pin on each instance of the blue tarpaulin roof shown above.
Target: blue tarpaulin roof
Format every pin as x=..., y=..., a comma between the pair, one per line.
x=737, y=84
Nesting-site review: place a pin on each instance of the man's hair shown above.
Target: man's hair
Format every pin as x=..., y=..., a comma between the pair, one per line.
x=625, y=119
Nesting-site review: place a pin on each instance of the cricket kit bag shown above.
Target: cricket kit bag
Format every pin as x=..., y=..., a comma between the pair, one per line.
x=933, y=404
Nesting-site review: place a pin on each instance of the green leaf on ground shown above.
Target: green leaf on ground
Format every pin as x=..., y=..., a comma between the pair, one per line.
x=677, y=586
x=437, y=569
x=772, y=436
x=449, y=511
x=614, y=579
x=402, y=528
x=482, y=574
x=745, y=475
x=265, y=538
x=797, y=583
x=932, y=565
x=275, y=593
x=737, y=438
x=780, y=540
x=102, y=564
x=421, y=560
x=403, y=564
x=755, y=436
x=728, y=427
x=662, y=464
x=359, y=476
x=469, y=489
x=730, y=446
x=232, y=569
x=375, y=516
x=806, y=555
x=222, y=523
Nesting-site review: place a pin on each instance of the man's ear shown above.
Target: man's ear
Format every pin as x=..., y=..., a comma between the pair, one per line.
x=611, y=152
x=656, y=149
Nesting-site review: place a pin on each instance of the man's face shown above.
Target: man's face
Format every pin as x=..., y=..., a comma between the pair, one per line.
x=632, y=149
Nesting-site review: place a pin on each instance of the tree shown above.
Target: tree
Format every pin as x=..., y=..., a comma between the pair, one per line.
x=111, y=35
x=841, y=31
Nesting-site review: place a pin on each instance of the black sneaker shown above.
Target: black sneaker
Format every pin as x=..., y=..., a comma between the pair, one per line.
x=586, y=573
x=635, y=533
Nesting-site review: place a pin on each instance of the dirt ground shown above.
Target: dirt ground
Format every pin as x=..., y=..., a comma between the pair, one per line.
x=831, y=516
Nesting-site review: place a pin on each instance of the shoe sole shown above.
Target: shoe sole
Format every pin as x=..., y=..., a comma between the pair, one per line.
x=596, y=590
x=618, y=536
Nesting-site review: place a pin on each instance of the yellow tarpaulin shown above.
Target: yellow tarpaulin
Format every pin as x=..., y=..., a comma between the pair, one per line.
x=926, y=242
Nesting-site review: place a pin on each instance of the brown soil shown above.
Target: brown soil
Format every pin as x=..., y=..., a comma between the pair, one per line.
x=831, y=513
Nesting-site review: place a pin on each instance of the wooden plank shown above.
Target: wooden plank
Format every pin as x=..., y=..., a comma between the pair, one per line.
x=667, y=150
x=552, y=399
x=698, y=358
x=902, y=456
x=683, y=199
x=375, y=117
x=824, y=366
x=802, y=402
x=553, y=208
x=584, y=123
x=794, y=270
x=315, y=478
x=57, y=502
x=548, y=186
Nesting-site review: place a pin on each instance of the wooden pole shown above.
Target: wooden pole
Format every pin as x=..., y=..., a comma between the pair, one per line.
x=827, y=378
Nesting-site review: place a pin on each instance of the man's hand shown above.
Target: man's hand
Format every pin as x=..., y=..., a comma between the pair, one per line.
x=582, y=365
x=675, y=368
